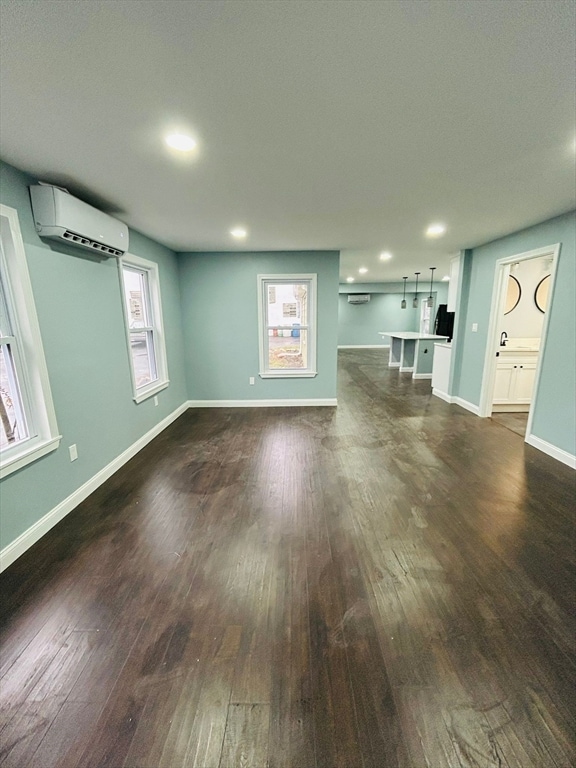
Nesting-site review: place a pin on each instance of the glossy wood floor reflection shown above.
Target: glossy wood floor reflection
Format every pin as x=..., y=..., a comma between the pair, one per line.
x=388, y=583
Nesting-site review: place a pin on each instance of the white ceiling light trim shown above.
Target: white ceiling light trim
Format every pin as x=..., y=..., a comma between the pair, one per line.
x=239, y=233
x=436, y=230
x=180, y=142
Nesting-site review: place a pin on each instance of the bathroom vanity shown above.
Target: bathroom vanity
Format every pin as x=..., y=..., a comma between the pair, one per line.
x=515, y=375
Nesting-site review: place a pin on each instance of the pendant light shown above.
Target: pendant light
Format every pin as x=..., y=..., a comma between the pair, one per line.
x=430, y=299
x=415, y=300
x=403, y=304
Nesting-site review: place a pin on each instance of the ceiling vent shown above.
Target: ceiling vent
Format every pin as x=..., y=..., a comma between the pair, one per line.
x=358, y=298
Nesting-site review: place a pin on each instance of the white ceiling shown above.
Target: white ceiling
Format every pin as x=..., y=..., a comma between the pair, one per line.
x=320, y=125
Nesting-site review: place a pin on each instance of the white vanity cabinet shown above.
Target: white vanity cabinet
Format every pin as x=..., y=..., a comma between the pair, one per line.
x=515, y=374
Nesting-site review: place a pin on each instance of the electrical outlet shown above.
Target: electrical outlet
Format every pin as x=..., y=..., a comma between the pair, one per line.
x=251, y=379
x=474, y=327
x=73, y=452
x=155, y=399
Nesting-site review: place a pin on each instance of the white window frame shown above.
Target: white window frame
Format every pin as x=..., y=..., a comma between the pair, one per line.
x=263, y=327
x=157, y=327
x=29, y=359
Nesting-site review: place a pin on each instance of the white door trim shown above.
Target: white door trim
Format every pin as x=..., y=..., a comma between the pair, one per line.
x=501, y=272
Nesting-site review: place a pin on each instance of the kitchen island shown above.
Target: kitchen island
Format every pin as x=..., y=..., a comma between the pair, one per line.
x=412, y=351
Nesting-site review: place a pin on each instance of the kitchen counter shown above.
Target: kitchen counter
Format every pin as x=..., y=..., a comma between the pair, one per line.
x=412, y=351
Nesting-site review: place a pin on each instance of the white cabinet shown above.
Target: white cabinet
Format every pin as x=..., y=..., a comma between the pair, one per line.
x=514, y=380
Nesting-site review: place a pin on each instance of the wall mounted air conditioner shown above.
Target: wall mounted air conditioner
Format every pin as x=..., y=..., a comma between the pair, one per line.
x=358, y=298
x=59, y=214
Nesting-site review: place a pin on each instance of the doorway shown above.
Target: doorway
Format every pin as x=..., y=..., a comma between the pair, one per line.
x=523, y=291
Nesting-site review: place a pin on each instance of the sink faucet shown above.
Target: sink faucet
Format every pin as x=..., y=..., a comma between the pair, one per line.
x=503, y=338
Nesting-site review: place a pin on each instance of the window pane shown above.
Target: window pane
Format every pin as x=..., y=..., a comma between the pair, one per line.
x=288, y=349
x=287, y=304
x=143, y=362
x=12, y=422
x=136, y=298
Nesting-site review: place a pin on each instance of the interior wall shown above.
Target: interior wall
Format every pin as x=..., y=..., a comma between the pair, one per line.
x=359, y=324
x=220, y=324
x=79, y=308
x=554, y=409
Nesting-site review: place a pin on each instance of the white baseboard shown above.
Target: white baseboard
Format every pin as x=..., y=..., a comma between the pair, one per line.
x=421, y=375
x=443, y=395
x=393, y=365
x=261, y=403
x=552, y=450
x=465, y=404
x=406, y=368
x=363, y=346
x=30, y=536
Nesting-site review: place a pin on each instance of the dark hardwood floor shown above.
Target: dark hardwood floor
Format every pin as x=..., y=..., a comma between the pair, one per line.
x=388, y=583
x=517, y=422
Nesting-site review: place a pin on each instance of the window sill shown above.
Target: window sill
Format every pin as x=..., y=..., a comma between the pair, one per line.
x=27, y=454
x=288, y=374
x=158, y=386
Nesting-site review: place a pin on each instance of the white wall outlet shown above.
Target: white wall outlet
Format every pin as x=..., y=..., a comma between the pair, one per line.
x=474, y=327
x=155, y=399
x=73, y=452
x=251, y=379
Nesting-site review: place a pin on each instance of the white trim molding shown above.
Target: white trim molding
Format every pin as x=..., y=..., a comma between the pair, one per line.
x=12, y=551
x=552, y=450
x=465, y=404
x=40, y=435
x=501, y=273
x=443, y=395
x=296, y=402
x=421, y=375
x=454, y=400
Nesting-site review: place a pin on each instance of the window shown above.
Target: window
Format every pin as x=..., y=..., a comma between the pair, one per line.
x=287, y=325
x=28, y=427
x=143, y=312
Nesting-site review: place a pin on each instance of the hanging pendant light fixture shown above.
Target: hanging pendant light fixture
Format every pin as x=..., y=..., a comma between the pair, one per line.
x=430, y=299
x=403, y=304
x=415, y=300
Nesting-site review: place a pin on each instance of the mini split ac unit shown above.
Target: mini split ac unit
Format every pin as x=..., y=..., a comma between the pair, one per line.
x=60, y=215
x=358, y=298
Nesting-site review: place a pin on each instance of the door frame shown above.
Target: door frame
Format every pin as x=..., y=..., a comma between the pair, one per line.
x=501, y=273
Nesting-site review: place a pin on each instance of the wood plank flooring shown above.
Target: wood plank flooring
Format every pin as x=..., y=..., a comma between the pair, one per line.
x=385, y=584
x=517, y=422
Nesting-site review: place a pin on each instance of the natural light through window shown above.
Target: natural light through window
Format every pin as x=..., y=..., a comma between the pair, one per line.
x=27, y=420
x=287, y=321
x=144, y=326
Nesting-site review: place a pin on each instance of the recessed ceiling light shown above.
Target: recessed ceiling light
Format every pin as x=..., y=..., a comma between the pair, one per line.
x=446, y=278
x=238, y=232
x=362, y=270
x=349, y=279
x=180, y=141
x=385, y=255
x=436, y=230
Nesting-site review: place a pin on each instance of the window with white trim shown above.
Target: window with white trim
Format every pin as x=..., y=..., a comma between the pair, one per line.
x=28, y=428
x=143, y=313
x=287, y=325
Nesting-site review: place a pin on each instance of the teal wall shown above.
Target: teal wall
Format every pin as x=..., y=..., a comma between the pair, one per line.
x=79, y=308
x=358, y=324
x=555, y=407
x=220, y=321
